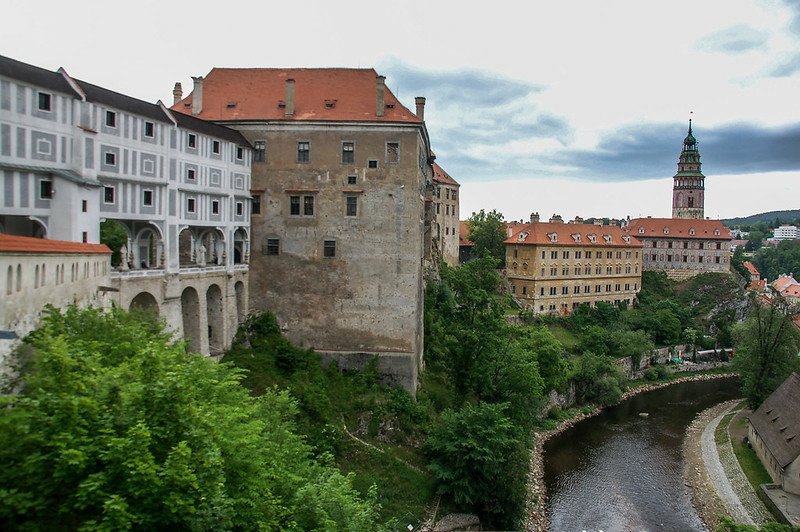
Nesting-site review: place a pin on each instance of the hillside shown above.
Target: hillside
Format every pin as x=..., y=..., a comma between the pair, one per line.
x=767, y=217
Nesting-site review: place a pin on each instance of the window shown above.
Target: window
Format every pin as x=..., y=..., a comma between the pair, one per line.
x=609, y=254
x=588, y=254
x=273, y=246
x=255, y=205
x=191, y=174
x=329, y=248
x=541, y=291
x=578, y=254
x=147, y=198
x=45, y=189
x=352, y=179
x=513, y=289
x=149, y=129
x=111, y=119
x=597, y=288
x=308, y=205
x=239, y=153
x=351, y=206
x=108, y=194
x=239, y=208
x=190, y=204
x=553, y=290
x=84, y=206
x=576, y=289
x=619, y=254
x=214, y=206
x=372, y=163
x=45, y=102
x=260, y=150
x=111, y=158
x=294, y=205
x=215, y=146
x=616, y=287
x=348, y=152
x=565, y=290
x=84, y=239
x=303, y=152
x=565, y=255
x=608, y=288
x=554, y=254
x=524, y=290
x=192, y=142
x=587, y=289
x=392, y=152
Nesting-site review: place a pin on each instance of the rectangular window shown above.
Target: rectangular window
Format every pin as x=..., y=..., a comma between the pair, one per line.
x=392, y=152
x=273, y=246
x=260, y=153
x=84, y=206
x=111, y=158
x=190, y=204
x=352, y=179
x=192, y=142
x=577, y=254
x=149, y=130
x=588, y=254
x=565, y=255
x=147, y=198
x=597, y=288
x=554, y=254
x=565, y=290
x=239, y=208
x=524, y=290
x=239, y=153
x=608, y=288
x=255, y=205
x=308, y=205
x=609, y=254
x=111, y=119
x=587, y=289
x=552, y=290
x=348, y=152
x=541, y=291
x=108, y=195
x=215, y=146
x=351, y=205
x=329, y=248
x=513, y=289
x=45, y=102
x=372, y=163
x=303, y=152
x=616, y=287
x=294, y=205
x=191, y=174
x=45, y=189
x=576, y=290
x=214, y=206
x=84, y=237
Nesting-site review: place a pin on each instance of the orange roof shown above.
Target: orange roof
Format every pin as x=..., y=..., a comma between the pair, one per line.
x=463, y=234
x=791, y=291
x=440, y=176
x=757, y=285
x=588, y=235
x=782, y=282
x=678, y=228
x=26, y=244
x=751, y=268
x=328, y=94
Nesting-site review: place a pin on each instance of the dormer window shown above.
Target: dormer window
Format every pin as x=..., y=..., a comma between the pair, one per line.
x=692, y=231
x=522, y=236
x=716, y=232
x=576, y=237
x=330, y=104
x=666, y=230
x=592, y=238
x=553, y=237
x=641, y=230
x=626, y=238
x=231, y=105
x=607, y=238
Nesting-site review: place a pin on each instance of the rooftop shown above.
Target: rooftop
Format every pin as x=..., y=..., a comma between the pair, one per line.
x=440, y=176
x=561, y=234
x=25, y=244
x=777, y=421
x=679, y=228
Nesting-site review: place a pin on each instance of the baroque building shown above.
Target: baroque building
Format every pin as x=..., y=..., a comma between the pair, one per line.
x=688, y=189
x=447, y=228
x=73, y=154
x=555, y=267
x=342, y=207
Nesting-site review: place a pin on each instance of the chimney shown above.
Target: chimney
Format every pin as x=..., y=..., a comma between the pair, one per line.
x=177, y=93
x=197, y=95
x=289, y=110
x=578, y=220
x=380, y=88
x=534, y=217
x=556, y=219
x=420, y=101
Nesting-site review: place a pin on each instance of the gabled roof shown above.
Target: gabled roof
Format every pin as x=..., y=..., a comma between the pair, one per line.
x=463, y=234
x=791, y=291
x=97, y=94
x=320, y=94
x=440, y=176
x=26, y=244
x=751, y=268
x=561, y=234
x=210, y=128
x=678, y=228
x=34, y=75
x=781, y=283
x=777, y=421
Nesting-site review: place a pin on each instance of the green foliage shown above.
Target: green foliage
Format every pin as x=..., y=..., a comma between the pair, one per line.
x=781, y=259
x=113, y=235
x=597, y=380
x=727, y=524
x=767, y=347
x=651, y=374
x=118, y=428
x=487, y=230
x=479, y=461
x=549, y=353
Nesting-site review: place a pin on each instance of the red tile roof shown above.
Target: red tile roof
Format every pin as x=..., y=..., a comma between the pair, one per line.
x=25, y=244
x=782, y=282
x=791, y=291
x=751, y=268
x=678, y=228
x=571, y=235
x=757, y=285
x=463, y=234
x=325, y=94
x=440, y=176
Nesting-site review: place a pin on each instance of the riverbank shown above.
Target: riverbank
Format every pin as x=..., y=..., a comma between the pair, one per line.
x=536, y=518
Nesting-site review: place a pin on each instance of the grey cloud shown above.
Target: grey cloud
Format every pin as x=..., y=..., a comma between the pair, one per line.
x=734, y=40
x=786, y=68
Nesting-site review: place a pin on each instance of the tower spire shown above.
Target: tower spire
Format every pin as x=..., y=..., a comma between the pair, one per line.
x=688, y=190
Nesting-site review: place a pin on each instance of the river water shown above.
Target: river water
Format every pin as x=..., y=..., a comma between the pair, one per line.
x=619, y=471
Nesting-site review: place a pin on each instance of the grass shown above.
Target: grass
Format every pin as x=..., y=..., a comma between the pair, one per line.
x=721, y=433
x=567, y=338
x=753, y=469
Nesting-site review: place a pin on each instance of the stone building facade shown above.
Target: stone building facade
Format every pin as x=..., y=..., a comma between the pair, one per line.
x=689, y=184
x=73, y=154
x=447, y=228
x=555, y=267
x=343, y=197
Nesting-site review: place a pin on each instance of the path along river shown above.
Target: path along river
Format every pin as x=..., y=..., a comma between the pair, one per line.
x=622, y=471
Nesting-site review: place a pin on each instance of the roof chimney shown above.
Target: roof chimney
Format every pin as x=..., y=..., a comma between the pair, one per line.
x=534, y=217
x=556, y=219
x=420, y=101
x=197, y=95
x=289, y=110
x=380, y=88
x=177, y=93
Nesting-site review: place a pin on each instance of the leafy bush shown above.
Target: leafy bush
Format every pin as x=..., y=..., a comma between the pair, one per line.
x=651, y=374
x=663, y=372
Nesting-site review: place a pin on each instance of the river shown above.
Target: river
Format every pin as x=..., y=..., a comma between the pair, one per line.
x=619, y=471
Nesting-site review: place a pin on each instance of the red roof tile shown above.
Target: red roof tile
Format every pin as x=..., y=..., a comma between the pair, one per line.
x=440, y=176
x=678, y=228
x=325, y=94
x=463, y=234
x=588, y=235
x=782, y=282
x=791, y=291
x=25, y=244
x=751, y=268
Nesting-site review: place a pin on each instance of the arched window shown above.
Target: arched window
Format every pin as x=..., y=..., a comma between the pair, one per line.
x=10, y=280
x=19, y=277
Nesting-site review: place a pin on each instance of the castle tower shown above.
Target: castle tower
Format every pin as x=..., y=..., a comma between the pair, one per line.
x=688, y=190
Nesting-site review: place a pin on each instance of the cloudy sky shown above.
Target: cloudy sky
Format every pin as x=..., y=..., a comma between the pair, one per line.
x=569, y=107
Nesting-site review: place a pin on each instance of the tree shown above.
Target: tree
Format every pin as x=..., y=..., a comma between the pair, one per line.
x=488, y=232
x=633, y=344
x=117, y=427
x=113, y=235
x=767, y=350
x=690, y=336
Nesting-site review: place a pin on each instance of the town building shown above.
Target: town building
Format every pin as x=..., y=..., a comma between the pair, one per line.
x=786, y=232
x=447, y=230
x=788, y=287
x=755, y=275
x=342, y=207
x=73, y=154
x=465, y=245
x=688, y=190
x=683, y=247
x=554, y=267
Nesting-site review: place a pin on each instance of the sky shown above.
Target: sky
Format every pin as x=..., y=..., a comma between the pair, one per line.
x=569, y=107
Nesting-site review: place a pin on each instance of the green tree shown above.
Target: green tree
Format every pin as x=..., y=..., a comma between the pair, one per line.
x=487, y=230
x=553, y=367
x=690, y=336
x=597, y=380
x=633, y=344
x=113, y=235
x=116, y=427
x=767, y=350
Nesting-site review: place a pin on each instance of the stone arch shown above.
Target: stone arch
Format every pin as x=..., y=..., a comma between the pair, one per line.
x=241, y=302
x=148, y=248
x=216, y=319
x=144, y=301
x=38, y=228
x=190, y=309
x=213, y=241
x=186, y=247
x=241, y=253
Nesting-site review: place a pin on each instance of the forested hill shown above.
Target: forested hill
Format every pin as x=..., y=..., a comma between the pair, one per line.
x=767, y=217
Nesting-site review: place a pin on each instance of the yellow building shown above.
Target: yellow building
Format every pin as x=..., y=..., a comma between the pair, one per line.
x=555, y=266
